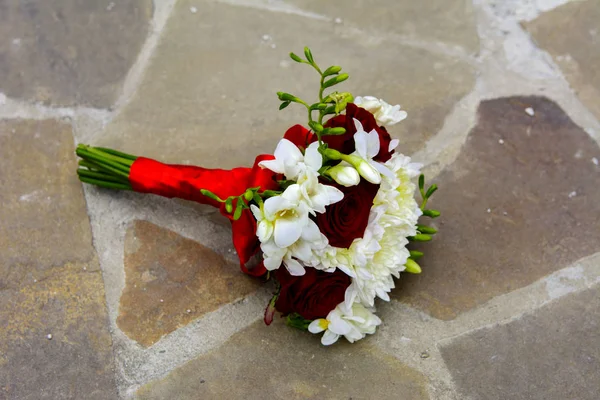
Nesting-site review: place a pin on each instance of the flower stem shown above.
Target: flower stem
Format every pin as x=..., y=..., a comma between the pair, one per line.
x=104, y=167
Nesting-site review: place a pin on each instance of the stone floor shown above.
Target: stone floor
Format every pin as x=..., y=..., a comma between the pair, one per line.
x=112, y=295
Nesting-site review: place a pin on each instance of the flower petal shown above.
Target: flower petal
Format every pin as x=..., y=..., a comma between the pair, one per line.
x=287, y=151
x=329, y=338
x=294, y=267
x=287, y=231
x=318, y=325
x=273, y=165
x=312, y=158
x=275, y=204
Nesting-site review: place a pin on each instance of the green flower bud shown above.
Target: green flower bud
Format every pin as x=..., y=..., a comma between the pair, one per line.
x=295, y=58
x=229, y=205
x=431, y=213
x=332, y=154
x=332, y=70
x=420, y=238
x=414, y=254
x=426, y=229
x=412, y=267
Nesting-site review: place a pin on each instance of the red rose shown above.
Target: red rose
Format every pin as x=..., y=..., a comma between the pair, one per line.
x=312, y=295
x=300, y=136
x=345, y=142
x=347, y=219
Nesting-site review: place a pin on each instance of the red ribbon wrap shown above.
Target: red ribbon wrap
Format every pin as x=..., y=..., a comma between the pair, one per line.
x=185, y=182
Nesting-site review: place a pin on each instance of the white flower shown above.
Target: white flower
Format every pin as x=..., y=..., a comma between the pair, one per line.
x=367, y=146
x=344, y=175
x=316, y=195
x=302, y=252
x=304, y=168
x=385, y=114
x=353, y=323
x=282, y=217
x=290, y=161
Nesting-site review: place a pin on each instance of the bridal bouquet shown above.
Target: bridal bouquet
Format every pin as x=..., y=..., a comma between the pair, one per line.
x=328, y=215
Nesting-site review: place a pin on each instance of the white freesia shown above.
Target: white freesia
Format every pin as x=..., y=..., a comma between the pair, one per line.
x=282, y=217
x=385, y=114
x=367, y=146
x=304, y=252
x=290, y=161
x=344, y=175
x=304, y=168
x=354, y=323
x=316, y=195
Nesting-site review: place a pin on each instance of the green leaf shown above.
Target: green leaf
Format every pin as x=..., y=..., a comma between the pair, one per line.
x=284, y=105
x=334, y=69
x=296, y=58
x=431, y=213
x=295, y=320
x=431, y=190
x=309, y=55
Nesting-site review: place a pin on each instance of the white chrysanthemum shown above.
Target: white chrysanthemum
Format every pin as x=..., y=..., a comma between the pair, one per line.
x=381, y=254
x=354, y=323
x=385, y=114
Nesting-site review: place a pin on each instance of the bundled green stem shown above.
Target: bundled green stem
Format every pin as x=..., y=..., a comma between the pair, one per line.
x=104, y=167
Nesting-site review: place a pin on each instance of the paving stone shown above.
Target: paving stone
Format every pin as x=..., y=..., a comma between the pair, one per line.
x=171, y=281
x=213, y=102
x=522, y=200
x=552, y=354
x=283, y=363
x=69, y=52
x=575, y=46
x=50, y=283
x=447, y=21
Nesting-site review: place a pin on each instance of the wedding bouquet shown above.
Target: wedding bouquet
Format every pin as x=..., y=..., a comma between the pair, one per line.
x=328, y=215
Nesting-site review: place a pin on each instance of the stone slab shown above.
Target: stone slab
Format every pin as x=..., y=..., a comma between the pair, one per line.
x=575, y=47
x=521, y=201
x=69, y=52
x=213, y=102
x=551, y=354
x=171, y=281
x=439, y=21
x=50, y=282
x=279, y=362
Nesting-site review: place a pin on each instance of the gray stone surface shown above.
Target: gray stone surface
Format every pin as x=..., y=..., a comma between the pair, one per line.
x=280, y=362
x=447, y=21
x=571, y=34
x=50, y=282
x=69, y=52
x=522, y=200
x=551, y=354
x=171, y=281
x=222, y=91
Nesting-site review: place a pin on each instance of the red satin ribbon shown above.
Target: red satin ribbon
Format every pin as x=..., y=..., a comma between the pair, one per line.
x=185, y=182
